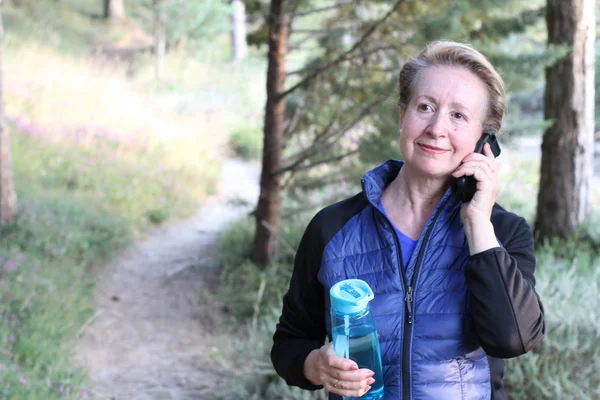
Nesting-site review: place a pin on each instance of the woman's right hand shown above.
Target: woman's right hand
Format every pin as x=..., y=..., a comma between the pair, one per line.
x=337, y=374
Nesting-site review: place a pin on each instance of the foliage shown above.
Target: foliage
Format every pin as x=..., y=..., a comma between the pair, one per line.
x=43, y=22
x=247, y=142
x=78, y=207
x=197, y=19
x=567, y=365
x=47, y=291
x=242, y=280
x=187, y=20
x=99, y=158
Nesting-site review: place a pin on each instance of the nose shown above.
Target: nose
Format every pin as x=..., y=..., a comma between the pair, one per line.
x=438, y=125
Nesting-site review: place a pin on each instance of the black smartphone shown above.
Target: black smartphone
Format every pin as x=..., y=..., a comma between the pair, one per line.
x=466, y=186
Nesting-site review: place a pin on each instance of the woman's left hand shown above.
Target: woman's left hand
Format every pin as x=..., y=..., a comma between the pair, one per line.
x=484, y=168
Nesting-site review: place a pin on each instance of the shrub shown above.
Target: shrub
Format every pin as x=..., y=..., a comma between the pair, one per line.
x=567, y=364
x=246, y=142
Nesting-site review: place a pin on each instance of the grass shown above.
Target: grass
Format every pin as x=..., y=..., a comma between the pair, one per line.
x=47, y=298
x=77, y=207
x=100, y=156
x=567, y=365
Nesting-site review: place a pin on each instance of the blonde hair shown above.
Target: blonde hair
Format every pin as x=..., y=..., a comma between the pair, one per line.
x=447, y=53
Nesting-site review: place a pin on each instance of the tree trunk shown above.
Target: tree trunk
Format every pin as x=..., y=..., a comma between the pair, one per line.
x=564, y=196
x=8, y=197
x=268, y=208
x=160, y=38
x=114, y=9
x=239, y=45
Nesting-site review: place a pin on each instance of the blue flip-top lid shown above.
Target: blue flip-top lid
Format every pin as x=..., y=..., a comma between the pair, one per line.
x=350, y=296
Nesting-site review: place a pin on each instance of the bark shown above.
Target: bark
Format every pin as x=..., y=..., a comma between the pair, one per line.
x=567, y=149
x=239, y=44
x=268, y=208
x=160, y=38
x=8, y=197
x=114, y=9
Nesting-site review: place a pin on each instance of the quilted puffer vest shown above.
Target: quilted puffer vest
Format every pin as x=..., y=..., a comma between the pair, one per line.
x=429, y=346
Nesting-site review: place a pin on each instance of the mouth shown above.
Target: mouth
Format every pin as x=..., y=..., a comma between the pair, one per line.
x=431, y=149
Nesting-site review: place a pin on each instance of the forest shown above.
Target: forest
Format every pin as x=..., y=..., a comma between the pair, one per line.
x=160, y=161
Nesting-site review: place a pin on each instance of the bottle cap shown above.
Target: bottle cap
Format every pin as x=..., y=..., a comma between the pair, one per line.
x=350, y=296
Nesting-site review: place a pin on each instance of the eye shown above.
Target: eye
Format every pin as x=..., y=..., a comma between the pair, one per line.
x=424, y=107
x=459, y=116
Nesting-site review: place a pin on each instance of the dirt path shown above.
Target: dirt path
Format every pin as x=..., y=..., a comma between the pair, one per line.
x=157, y=321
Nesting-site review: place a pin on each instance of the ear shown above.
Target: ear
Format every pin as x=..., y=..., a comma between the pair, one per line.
x=400, y=118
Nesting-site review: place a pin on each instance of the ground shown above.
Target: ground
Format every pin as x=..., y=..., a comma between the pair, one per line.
x=158, y=322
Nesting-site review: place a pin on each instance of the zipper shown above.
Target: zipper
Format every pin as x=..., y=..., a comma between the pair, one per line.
x=409, y=299
x=409, y=304
x=409, y=294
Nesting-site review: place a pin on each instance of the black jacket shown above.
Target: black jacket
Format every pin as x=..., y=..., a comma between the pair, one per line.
x=506, y=311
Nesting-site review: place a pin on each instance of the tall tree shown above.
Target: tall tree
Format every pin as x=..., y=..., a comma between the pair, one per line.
x=567, y=147
x=8, y=198
x=114, y=9
x=273, y=167
x=239, y=44
x=269, y=201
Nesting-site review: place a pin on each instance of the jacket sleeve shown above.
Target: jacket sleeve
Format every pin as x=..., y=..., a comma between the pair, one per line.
x=301, y=328
x=505, y=307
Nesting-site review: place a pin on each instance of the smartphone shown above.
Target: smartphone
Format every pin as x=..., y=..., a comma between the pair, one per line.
x=466, y=186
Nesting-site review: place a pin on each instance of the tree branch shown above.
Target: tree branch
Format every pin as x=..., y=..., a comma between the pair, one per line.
x=321, y=162
x=293, y=121
x=318, y=10
x=321, y=144
x=308, y=184
x=343, y=91
x=292, y=16
x=344, y=55
x=364, y=112
x=365, y=54
x=299, y=42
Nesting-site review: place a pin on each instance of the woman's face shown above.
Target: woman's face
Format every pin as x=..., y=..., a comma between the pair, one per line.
x=443, y=120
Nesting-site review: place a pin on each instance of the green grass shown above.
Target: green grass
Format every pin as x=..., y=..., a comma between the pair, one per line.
x=567, y=365
x=99, y=158
x=77, y=208
x=50, y=295
x=137, y=187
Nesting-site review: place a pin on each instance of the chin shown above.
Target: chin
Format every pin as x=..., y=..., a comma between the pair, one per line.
x=431, y=171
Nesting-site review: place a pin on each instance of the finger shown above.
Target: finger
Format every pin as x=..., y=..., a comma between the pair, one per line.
x=351, y=392
x=359, y=375
x=483, y=175
x=480, y=163
x=473, y=156
x=352, y=385
x=487, y=151
x=335, y=361
x=473, y=166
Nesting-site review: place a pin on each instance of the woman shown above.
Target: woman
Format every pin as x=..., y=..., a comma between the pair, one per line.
x=453, y=282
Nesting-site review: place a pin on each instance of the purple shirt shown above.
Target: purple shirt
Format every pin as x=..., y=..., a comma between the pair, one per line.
x=406, y=244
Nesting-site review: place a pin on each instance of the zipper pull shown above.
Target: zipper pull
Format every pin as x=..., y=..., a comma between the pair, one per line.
x=408, y=298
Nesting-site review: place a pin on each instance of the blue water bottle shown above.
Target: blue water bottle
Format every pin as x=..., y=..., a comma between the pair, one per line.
x=353, y=330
